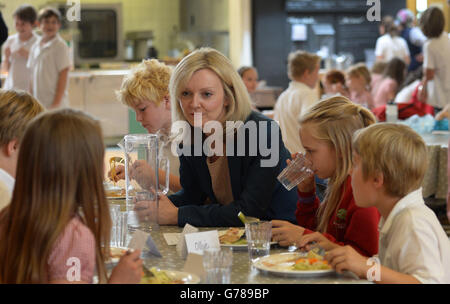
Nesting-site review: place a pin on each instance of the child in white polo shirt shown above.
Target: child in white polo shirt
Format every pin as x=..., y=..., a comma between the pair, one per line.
x=436, y=62
x=389, y=162
x=50, y=62
x=17, y=48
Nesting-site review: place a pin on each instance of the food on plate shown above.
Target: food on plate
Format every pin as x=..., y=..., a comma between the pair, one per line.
x=297, y=262
x=160, y=277
x=311, y=264
x=117, y=253
x=116, y=192
x=232, y=236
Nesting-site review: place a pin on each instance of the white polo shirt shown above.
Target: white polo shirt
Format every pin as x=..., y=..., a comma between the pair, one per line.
x=413, y=242
x=390, y=47
x=291, y=104
x=6, y=188
x=46, y=62
x=436, y=53
x=19, y=75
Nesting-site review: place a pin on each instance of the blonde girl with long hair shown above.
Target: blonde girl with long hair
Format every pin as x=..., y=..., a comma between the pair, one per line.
x=326, y=132
x=57, y=224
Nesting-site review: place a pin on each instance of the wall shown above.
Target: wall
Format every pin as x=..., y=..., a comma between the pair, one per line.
x=160, y=16
x=271, y=43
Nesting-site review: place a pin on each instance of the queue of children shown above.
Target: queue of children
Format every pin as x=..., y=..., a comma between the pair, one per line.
x=38, y=64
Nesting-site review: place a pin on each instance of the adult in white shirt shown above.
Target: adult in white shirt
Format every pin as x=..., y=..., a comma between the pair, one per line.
x=17, y=47
x=303, y=70
x=17, y=108
x=436, y=57
x=390, y=44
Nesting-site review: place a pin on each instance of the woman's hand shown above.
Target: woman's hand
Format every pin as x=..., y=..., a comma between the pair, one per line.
x=167, y=212
x=285, y=233
x=128, y=270
x=143, y=173
x=346, y=258
x=319, y=239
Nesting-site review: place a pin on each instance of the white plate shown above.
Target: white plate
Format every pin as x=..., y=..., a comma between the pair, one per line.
x=111, y=198
x=186, y=277
x=116, y=251
x=282, y=262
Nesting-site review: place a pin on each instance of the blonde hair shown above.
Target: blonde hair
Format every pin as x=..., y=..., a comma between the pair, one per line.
x=402, y=164
x=301, y=61
x=59, y=175
x=360, y=70
x=149, y=81
x=334, y=120
x=239, y=105
x=17, y=108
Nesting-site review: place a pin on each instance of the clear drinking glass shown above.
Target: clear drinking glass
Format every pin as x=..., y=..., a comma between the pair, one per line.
x=114, y=213
x=259, y=235
x=217, y=264
x=297, y=171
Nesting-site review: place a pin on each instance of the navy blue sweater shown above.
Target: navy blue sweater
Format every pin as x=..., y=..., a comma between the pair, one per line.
x=256, y=190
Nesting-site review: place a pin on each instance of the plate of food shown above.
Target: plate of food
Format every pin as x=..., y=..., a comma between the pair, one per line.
x=116, y=253
x=235, y=238
x=159, y=276
x=114, y=192
x=294, y=264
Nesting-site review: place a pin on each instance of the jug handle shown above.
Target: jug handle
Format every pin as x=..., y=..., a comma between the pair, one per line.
x=165, y=166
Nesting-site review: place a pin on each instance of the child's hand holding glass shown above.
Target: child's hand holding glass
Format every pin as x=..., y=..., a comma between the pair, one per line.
x=298, y=172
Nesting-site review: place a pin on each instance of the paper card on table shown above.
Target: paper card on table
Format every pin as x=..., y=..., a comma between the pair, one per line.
x=181, y=246
x=152, y=248
x=197, y=242
x=194, y=264
x=172, y=238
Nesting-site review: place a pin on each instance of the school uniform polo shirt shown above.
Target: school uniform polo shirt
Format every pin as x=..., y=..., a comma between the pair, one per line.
x=19, y=75
x=6, y=188
x=46, y=62
x=413, y=242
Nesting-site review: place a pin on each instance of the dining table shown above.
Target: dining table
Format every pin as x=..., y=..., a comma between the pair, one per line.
x=242, y=269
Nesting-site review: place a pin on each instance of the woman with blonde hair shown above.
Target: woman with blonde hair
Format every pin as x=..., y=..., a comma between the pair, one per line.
x=233, y=173
x=326, y=131
x=58, y=217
